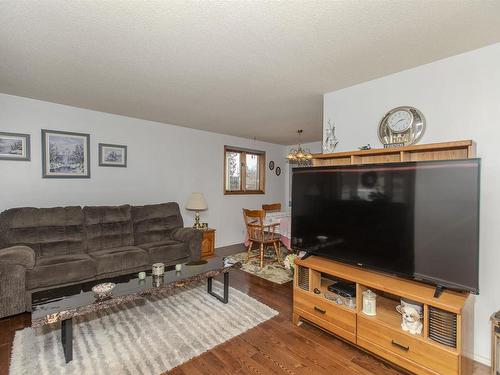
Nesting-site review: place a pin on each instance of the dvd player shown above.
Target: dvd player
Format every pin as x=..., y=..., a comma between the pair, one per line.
x=343, y=288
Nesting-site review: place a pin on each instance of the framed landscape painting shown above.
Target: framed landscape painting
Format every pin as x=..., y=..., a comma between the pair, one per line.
x=14, y=146
x=65, y=154
x=112, y=155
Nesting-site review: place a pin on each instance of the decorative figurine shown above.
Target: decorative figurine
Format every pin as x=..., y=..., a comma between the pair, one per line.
x=410, y=319
x=331, y=140
x=365, y=147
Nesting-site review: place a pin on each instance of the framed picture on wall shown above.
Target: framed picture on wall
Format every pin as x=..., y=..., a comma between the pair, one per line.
x=112, y=155
x=65, y=154
x=14, y=146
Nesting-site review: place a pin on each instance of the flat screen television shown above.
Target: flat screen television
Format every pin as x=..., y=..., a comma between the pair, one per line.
x=417, y=219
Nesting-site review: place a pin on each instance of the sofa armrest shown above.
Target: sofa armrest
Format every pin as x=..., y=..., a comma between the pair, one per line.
x=12, y=289
x=20, y=255
x=190, y=236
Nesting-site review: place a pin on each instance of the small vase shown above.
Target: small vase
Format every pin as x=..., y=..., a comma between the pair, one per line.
x=330, y=140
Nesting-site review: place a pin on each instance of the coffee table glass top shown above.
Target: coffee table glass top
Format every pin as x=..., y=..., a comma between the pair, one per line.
x=66, y=302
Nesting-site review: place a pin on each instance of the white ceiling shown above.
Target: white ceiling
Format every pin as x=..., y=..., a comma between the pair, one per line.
x=251, y=69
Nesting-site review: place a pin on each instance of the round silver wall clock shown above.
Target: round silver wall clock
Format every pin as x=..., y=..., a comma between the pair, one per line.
x=401, y=126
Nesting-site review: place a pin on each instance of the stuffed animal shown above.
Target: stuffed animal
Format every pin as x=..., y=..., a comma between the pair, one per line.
x=410, y=321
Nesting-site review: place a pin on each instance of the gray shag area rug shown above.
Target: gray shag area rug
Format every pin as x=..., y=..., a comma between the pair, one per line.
x=140, y=338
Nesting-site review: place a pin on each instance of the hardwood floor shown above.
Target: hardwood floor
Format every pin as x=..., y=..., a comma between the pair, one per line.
x=275, y=347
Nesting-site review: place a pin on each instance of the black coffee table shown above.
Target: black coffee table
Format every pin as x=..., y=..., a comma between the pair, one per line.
x=65, y=303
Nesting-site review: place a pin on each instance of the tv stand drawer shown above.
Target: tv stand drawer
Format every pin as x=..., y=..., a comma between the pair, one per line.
x=395, y=344
x=395, y=358
x=317, y=309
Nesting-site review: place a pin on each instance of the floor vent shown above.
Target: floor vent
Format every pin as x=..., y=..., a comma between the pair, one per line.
x=303, y=278
x=443, y=327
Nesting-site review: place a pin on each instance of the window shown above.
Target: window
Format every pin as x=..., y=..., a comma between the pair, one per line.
x=244, y=171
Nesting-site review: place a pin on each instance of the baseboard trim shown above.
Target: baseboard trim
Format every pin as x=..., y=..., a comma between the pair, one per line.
x=230, y=244
x=479, y=358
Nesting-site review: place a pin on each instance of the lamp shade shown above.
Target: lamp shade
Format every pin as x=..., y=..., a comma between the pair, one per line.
x=196, y=202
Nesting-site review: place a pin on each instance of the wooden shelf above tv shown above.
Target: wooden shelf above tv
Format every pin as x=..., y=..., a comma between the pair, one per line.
x=432, y=151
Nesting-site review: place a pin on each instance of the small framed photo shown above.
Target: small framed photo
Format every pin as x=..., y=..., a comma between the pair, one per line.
x=14, y=146
x=65, y=154
x=112, y=155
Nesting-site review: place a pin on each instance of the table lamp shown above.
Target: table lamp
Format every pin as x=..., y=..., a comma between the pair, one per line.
x=196, y=202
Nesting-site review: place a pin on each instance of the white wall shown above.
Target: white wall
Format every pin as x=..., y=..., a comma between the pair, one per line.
x=165, y=163
x=460, y=98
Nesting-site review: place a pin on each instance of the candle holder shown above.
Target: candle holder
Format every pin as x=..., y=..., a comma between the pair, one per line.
x=158, y=269
x=369, y=303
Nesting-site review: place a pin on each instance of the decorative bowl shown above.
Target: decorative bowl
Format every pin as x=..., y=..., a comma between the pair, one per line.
x=103, y=290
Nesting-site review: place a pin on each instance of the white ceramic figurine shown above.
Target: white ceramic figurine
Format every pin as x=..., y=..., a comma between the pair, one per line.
x=410, y=320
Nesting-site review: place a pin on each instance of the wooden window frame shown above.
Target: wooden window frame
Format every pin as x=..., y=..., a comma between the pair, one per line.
x=262, y=171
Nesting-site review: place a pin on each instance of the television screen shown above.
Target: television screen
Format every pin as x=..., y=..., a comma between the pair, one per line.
x=414, y=219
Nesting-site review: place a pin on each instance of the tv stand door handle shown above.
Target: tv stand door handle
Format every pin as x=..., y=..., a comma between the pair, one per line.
x=400, y=346
x=322, y=311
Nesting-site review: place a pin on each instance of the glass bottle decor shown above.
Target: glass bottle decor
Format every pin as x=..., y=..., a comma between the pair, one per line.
x=331, y=140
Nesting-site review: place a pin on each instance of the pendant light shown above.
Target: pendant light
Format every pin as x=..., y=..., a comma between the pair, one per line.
x=299, y=155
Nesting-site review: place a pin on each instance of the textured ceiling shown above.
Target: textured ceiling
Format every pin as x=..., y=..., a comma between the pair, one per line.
x=251, y=69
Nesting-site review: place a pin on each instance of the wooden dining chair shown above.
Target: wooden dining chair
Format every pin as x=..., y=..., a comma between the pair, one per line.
x=259, y=232
x=274, y=207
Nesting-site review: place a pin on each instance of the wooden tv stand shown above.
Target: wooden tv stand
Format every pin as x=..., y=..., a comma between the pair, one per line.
x=382, y=334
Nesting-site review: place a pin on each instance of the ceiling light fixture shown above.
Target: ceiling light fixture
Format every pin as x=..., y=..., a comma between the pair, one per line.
x=299, y=155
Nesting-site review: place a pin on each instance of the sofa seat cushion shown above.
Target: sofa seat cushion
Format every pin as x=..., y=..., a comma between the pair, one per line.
x=60, y=269
x=119, y=259
x=166, y=251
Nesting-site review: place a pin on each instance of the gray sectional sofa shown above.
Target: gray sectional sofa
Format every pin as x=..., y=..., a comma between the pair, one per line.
x=43, y=248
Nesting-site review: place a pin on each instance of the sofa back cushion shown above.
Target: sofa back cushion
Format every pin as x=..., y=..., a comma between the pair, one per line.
x=108, y=227
x=154, y=223
x=48, y=231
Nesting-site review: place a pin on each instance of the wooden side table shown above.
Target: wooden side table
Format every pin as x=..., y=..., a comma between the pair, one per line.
x=208, y=243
